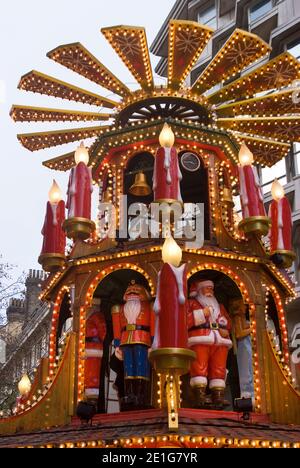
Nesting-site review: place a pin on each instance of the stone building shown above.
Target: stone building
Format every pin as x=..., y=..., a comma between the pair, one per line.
x=24, y=338
x=278, y=23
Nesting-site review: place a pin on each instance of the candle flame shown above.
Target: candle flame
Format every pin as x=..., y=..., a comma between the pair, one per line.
x=82, y=154
x=245, y=156
x=24, y=385
x=55, y=194
x=166, y=137
x=171, y=252
x=277, y=190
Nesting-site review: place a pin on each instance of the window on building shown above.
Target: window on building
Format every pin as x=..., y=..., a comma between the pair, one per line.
x=294, y=48
x=297, y=157
x=260, y=9
x=208, y=16
x=268, y=174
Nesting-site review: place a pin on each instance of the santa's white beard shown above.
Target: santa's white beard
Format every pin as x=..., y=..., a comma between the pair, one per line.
x=132, y=310
x=212, y=303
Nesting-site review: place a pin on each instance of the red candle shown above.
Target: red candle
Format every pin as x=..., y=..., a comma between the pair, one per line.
x=281, y=216
x=54, y=236
x=80, y=186
x=167, y=175
x=250, y=189
x=170, y=307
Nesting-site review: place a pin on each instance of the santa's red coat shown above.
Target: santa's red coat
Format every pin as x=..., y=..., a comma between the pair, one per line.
x=94, y=337
x=206, y=335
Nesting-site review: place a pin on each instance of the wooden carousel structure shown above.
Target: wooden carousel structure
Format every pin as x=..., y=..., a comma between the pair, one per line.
x=210, y=124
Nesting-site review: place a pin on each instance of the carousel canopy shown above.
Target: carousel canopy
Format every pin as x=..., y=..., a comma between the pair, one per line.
x=228, y=104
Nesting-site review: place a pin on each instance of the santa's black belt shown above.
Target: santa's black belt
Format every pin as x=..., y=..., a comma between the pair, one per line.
x=92, y=339
x=208, y=326
x=132, y=327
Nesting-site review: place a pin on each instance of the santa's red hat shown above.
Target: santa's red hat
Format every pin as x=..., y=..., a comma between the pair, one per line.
x=193, y=290
x=205, y=284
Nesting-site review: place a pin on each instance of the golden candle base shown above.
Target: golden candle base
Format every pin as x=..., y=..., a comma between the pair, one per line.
x=51, y=261
x=258, y=225
x=170, y=363
x=177, y=359
x=167, y=213
x=287, y=257
x=78, y=228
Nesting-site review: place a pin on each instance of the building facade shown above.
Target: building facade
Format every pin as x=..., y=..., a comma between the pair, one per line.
x=278, y=23
x=25, y=338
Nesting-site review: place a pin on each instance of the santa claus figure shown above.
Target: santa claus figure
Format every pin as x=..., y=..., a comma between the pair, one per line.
x=167, y=175
x=133, y=326
x=208, y=330
x=80, y=186
x=94, y=338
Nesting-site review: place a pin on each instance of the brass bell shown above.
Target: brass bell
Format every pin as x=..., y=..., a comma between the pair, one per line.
x=227, y=196
x=105, y=197
x=140, y=188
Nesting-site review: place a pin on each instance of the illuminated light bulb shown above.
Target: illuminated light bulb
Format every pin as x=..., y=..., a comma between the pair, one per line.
x=166, y=137
x=277, y=190
x=55, y=194
x=246, y=158
x=24, y=385
x=82, y=154
x=171, y=252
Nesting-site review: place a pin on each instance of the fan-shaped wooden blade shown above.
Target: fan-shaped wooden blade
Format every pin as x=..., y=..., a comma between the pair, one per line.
x=284, y=129
x=61, y=163
x=239, y=51
x=41, y=140
x=187, y=40
x=266, y=152
x=39, y=83
x=130, y=43
x=272, y=105
x=78, y=59
x=43, y=114
x=277, y=73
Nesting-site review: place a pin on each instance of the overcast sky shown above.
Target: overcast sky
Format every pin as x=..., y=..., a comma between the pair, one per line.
x=28, y=30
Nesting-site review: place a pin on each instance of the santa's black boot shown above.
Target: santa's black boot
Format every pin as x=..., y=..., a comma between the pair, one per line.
x=218, y=400
x=201, y=399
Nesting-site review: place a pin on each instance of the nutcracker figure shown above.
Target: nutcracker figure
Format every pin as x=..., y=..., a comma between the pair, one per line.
x=208, y=330
x=94, y=337
x=133, y=326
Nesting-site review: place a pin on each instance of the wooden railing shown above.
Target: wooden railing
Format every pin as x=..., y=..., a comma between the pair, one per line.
x=55, y=406
x=283, y=399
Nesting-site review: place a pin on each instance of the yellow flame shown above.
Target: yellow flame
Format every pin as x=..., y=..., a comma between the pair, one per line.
x=24, y=385
x=245, y=156
x=166, y=137
x=171, y=252
x=277, y=190
x=55, y=193
x=82, y=154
